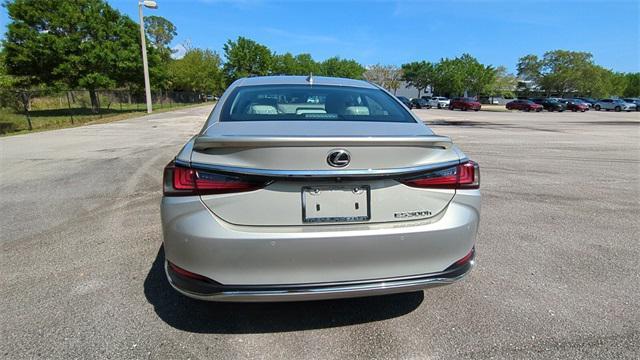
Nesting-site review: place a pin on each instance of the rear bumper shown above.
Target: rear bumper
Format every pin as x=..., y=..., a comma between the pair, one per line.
x=212, y=291
x=402, y=256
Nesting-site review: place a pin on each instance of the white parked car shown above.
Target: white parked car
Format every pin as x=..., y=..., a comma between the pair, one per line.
x=439, y=102
x=614, y=104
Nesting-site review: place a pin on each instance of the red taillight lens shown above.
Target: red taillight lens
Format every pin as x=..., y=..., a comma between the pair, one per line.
x=463, y=176
x=466, y=258
x=184, y=181
x=182, y=272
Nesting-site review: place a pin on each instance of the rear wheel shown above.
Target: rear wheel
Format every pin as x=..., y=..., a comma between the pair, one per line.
x=597, y=107
x=618, y=108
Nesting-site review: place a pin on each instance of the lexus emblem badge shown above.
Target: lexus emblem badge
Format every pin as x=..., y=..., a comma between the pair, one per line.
x=338, y=158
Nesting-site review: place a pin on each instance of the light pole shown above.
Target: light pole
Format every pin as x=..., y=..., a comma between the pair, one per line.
x=147, y=85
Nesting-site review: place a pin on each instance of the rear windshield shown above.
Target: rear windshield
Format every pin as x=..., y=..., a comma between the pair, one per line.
x=312, y=102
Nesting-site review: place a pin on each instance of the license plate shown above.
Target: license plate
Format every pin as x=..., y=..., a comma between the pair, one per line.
x=322, y=204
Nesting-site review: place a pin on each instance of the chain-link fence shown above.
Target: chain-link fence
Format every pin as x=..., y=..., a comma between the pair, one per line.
x=41, y=109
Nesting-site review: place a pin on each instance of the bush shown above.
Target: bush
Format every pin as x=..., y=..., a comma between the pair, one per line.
x=7, y=127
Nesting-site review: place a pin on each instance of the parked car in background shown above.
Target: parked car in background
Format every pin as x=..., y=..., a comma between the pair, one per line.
x=420, y=103
x=590, y=101
x=550, y=104
x=405, y=101
x=464, y=104
x=635, y=101
x=615, y=105
x=575, y=105
x=439, y=102
x=373, y=203
x=524, y=105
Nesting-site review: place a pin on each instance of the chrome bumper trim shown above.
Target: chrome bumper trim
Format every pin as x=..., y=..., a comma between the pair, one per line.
x=320, y=173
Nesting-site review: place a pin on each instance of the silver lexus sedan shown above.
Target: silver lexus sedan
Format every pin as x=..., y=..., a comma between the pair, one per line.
x=305, y=188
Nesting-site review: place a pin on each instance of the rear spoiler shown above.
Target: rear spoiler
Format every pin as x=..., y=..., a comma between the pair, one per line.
x=208, y=142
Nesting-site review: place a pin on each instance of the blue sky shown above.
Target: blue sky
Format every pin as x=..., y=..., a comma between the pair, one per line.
x=395, y=32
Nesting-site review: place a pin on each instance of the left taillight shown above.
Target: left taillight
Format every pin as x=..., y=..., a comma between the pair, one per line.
x=462, y=176
x=185, y=181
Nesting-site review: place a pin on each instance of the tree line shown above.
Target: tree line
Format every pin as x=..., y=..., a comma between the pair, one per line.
x=69, y=44
x=557, y=72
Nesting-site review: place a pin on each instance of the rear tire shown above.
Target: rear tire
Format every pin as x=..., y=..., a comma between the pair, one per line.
x=617, y=108
x=597, y=108
x=476, y=109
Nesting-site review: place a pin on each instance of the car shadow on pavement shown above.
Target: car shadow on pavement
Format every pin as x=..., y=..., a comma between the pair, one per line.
x=197, y=316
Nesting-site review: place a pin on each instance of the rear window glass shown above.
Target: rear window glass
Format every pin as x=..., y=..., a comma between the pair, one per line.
x=312, y=102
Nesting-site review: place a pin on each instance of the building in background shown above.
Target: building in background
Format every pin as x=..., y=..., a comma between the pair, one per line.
x=410, y=92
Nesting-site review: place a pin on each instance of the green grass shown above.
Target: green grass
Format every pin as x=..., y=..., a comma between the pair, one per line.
x=12, y=123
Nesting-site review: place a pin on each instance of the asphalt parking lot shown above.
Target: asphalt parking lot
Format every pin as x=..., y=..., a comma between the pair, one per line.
x=557, y=273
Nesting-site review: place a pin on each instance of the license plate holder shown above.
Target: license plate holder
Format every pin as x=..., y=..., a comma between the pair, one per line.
x=333, y=204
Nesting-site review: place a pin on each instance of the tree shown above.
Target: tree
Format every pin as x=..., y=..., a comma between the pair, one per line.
x=246, y=57
x=161, y=32
x=344, y=68
x=632, y=85
x=287, y=64
x=504, y=83
x=74, y=43
x=562, y=72
x=449, y=78
x=477, y=78
x=387, y=76
x=199, y=71
x=419, y=74
x=376, y=74
x=306, y=65
x=463, y=75
x=394, y=76
x=284, y=64
x=530, y=68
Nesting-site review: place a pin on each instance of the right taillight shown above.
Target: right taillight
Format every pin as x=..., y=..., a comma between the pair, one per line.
x=462, y=176
x=186, y=181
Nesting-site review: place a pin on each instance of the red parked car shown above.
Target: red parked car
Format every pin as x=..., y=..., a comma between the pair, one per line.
x=575, y=105
x=524, y=105
x=464, y=104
